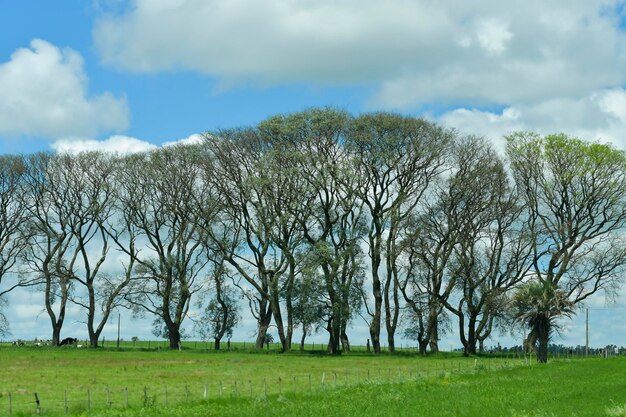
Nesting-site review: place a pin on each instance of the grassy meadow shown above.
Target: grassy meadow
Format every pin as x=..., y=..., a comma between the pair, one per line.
x=196, y=381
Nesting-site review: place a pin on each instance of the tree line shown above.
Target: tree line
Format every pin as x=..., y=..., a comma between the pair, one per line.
x=317, y=219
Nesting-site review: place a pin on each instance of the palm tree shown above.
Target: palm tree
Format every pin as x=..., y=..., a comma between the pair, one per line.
x=537, y=305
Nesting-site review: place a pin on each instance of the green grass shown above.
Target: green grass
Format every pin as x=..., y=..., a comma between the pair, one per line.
x=262, y=383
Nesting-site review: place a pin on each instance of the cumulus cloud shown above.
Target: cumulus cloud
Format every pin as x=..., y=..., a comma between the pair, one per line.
x=190, y=140
x=117, y=144
x=597, y=116
x=415, y=52
x=44, y=92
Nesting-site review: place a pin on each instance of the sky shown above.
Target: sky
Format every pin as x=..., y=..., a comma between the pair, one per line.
x=133, y=75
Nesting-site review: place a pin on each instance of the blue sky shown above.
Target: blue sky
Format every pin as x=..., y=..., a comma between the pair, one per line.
x=123, y=75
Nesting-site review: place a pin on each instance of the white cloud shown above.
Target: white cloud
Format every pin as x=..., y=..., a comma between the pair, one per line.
x=493, y=36
x=44, y=92
x=115, y=144
x=598, y=116
x=190, y=140
x=413, y=51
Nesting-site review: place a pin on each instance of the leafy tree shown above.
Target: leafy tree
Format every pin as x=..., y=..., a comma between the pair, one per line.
x=330, y=217
x=537, y=305
x=575, y=194
x=90, y=206
x=397, y=158
x=165, y=207
x=12, y=220
x=50, y=224
x=492, y=249
x=310, y=305
x=221, y=315
x=257, y=235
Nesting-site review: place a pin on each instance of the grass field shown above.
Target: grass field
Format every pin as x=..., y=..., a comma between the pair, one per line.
x=193, y=382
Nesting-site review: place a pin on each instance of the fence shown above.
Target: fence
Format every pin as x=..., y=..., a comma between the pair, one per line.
x=74, y=401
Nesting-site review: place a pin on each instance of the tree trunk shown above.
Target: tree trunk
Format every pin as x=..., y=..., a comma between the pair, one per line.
x=173, y=333
x=542, y=329
x=218, y=341
x=423, y=345
x=433, y=330
x=278, y=319
x=56, y=333
x=93, y=337
x=265, y=318
x=376, y=289
x=302, y=340
x=334, y=329
x=470, y=341
x=345, y=342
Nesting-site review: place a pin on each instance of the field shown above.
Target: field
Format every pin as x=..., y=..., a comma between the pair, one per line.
x=199, y=382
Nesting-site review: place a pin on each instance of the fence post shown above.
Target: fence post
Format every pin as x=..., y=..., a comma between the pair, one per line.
x=88, y=399
x=205, y=391
x=323, y=377
x=186, y=393
x=37, y=404
x=265, y=388
x=126, y=397
x=10, y=405
x=310, y=386
x=65, y=401
x=108, y=397
x=145, y=396
x=250, y=387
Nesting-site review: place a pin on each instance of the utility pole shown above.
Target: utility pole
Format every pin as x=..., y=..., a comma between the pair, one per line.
x=587, y=334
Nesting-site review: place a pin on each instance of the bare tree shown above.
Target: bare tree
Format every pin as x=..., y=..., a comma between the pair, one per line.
x=575, y=192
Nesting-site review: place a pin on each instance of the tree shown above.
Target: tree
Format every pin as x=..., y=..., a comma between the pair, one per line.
x=91, y=207
x=537, y=305
x=397, y=157
x=165, y=207
x=50, y=251
x=255, y=235
x=330, y=216
x=575, y=193
x=12, y=219
x=492, y=247
x=309, y=306
x=221, y=315
x=12, y=231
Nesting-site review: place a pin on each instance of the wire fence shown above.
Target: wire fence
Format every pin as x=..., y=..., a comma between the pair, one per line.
x=73, y=401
